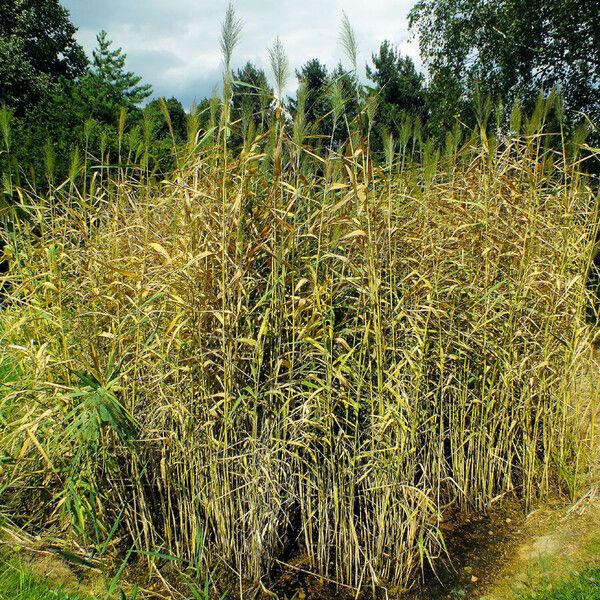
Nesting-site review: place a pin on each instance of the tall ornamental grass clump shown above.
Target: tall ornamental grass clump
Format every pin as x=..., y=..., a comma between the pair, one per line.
x=289, y=353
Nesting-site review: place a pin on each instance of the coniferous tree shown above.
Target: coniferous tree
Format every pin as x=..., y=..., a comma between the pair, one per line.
x=314, y=77
x=327, y=97
x=108, y=86
x=251, y=97
x=400, y=90
x=344, y=93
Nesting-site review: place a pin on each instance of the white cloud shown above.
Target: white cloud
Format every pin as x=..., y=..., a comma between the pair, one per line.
x=174, y=44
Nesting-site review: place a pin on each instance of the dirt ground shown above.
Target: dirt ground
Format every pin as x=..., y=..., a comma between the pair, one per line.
x=508, y=553
x=557, y=542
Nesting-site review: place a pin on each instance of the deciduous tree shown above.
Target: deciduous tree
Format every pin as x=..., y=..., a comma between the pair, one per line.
x=37, y=50
x=513, y=48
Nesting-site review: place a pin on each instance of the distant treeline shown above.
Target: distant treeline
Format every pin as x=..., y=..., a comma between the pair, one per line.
x=58, y=105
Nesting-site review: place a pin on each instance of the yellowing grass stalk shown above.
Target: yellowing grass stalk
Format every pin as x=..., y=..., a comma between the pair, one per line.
x=250, y=367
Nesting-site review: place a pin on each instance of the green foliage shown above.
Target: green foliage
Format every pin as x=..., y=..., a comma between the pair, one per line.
x=82, y=117
x=448, y=104
x=326, y=97
x=168, y=119
x=400, y=90
x=583, y=586
x=512, y=48
x=37, y=50
x=98, y=110
x=315, y=79
x=398, y=83
x=18, y=583
x=251, y=98
x=156, y=134
x=97, y=408
x=107, y=87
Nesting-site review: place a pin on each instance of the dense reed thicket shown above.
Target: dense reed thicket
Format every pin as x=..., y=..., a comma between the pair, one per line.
x=294, y=353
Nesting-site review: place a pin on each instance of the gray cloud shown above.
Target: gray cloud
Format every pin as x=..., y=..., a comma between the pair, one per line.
x=174, y=44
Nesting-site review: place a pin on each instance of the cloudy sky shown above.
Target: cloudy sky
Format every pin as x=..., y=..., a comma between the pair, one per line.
x=174, y=44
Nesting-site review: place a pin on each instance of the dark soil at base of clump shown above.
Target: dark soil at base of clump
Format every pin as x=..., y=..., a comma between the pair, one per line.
x=477, y=547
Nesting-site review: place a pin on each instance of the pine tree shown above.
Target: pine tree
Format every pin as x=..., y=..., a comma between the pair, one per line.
x=400, y=89
x=109, y=87
x=315, y=77
x=251, y=96
x=400, y=86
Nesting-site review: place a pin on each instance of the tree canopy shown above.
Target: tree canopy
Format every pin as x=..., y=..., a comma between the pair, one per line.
x=251, y=94
x=512, y=48
x=37, y=49
x=399, y=87
x=60, y=101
